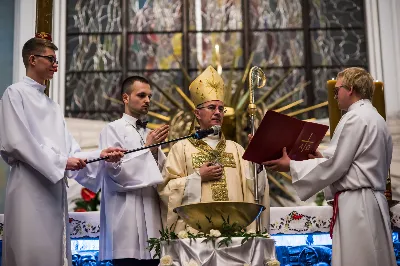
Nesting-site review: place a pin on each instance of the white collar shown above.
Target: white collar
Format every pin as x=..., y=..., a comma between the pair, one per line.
x=358, y=104
x=130, y=119
x=34, y=84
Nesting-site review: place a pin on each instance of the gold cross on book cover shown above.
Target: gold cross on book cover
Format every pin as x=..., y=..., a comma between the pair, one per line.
x=277, y=131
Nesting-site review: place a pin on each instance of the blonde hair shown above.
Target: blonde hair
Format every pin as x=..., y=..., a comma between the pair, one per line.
x=359, y=79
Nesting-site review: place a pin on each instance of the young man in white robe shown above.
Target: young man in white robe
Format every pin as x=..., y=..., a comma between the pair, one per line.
x=130, y=211
x=42, y=154
x=353, y=171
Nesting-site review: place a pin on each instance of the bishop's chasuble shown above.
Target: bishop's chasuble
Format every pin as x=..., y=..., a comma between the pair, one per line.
x=182, y=181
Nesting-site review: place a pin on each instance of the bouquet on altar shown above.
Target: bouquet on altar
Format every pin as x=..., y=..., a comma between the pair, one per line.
x=224, y=235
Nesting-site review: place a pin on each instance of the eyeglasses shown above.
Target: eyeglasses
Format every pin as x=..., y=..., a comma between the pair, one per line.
x=213, y=108
x=336, y=90
x=51, y=58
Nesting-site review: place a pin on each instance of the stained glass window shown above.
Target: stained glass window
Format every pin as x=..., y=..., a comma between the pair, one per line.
x=300, y=43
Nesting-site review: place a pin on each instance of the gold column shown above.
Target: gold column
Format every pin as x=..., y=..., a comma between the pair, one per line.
x=44, y=23
x=334, y=112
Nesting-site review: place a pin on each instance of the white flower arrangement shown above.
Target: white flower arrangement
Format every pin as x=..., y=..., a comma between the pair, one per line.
x=215, y=233
x=251, y=232
x=183, y=234
x=273, y=262
x=166, y=260
x=224, y=235
x=266, y=235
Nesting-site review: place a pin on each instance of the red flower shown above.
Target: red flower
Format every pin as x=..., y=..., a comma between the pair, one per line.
x=87, y=195
x=297, y=216
x=80, y=210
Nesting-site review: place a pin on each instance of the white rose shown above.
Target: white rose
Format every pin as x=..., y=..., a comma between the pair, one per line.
x=266, y=235
x=251, y=231
x=191, y=262
x=183, y=234
x=273, y=262
x=246, y=264
x=215, y=233
x=166, y=260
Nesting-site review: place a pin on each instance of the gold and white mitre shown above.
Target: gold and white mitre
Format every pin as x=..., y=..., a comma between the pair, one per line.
x=208, y=86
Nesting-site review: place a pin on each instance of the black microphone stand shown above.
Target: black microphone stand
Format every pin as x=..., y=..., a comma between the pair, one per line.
x=194, y=135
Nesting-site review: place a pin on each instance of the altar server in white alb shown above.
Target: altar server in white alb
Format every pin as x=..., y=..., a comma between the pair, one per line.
x=353, y=171
x=130, y=211
x=42, y=154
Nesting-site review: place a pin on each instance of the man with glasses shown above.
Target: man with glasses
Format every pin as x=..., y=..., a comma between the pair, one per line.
x=353, y=171
x=211, y=169
x=42, y=154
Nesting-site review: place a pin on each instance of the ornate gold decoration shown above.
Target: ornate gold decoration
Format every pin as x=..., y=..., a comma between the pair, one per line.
x=219, y=188
x=43, y=35
x=208, y=86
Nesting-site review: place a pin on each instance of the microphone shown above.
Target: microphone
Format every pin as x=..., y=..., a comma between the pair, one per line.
x=199, y=134
x=202, y=133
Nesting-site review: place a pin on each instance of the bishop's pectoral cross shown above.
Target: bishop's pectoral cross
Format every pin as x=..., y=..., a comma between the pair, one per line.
x=306, y=144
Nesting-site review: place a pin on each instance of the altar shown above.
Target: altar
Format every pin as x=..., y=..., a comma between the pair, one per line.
x=301, y=236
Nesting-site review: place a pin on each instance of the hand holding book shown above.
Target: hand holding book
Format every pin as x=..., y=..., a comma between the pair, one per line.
x=278, y=131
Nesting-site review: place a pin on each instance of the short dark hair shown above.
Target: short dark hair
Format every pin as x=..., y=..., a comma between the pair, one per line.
x=35, y=46
x=126, y=86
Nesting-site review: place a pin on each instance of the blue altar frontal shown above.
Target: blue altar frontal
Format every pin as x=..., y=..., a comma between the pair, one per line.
x=301, y=236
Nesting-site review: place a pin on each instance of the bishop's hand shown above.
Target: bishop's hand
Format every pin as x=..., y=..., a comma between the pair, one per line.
x=280, y=165
x=210, y=171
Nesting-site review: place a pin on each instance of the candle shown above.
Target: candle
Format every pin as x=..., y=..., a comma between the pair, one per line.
x=378, y=99
x=333, y=107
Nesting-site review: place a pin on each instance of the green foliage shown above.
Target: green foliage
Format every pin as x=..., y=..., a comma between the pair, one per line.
x=224, y=236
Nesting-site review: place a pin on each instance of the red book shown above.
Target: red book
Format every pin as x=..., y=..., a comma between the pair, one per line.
x=277, y=131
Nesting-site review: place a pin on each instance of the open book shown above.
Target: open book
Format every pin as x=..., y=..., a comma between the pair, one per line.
x=277, y=131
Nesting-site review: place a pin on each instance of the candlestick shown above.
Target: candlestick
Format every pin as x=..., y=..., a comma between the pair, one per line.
x=333, y=107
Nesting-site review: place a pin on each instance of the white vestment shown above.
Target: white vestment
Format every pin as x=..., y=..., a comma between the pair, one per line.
x=356, y=163
x=36, y=144
x=130, y=210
